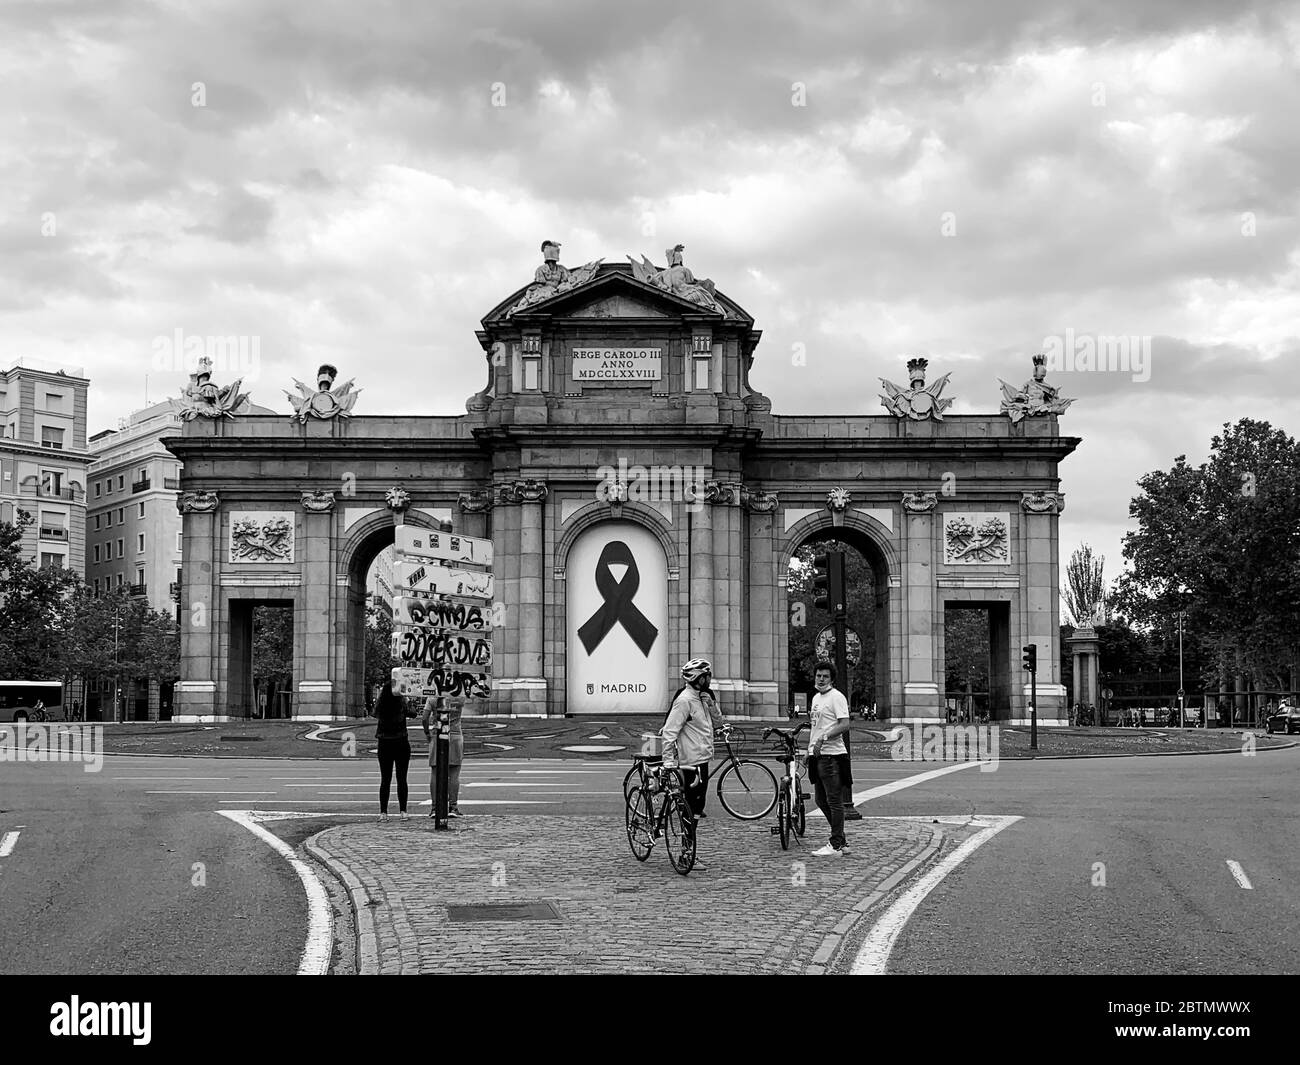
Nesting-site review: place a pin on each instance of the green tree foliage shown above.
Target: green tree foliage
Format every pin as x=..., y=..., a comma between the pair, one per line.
x=1222, y=541
x=33, y=610
x=860, y=584
x=1085, y=587
x=379, y=650
x=272, y=653
x=966, y=649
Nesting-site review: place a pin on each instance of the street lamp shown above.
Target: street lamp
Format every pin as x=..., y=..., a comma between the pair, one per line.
x=117, y=677
x=1182, y=692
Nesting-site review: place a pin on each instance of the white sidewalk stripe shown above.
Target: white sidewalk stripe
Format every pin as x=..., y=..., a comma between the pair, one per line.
x=873, y=956
x=1239, y=874
x=320, y=920
x=7, y=843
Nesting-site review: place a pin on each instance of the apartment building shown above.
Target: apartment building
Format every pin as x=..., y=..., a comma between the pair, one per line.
x=43, y=458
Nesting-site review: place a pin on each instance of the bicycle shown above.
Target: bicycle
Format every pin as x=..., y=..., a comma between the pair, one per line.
x=790, y=811
x=746, y=787
x=673, y=820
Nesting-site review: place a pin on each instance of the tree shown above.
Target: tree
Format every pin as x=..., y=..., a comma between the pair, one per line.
x=272, y=652
x=1221, y=542
x=1085, y=589
x=33, y=603
x=860, y=589
x=379, y=649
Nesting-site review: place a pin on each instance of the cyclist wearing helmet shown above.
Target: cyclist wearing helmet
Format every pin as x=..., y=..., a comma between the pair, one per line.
x=688, y=732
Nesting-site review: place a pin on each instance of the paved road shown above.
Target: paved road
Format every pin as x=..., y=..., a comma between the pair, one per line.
x=98, y=879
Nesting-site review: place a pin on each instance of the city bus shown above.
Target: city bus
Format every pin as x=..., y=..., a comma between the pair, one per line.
x=18, y=697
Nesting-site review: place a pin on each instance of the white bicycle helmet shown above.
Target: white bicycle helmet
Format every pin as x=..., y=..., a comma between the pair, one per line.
x=696, y=668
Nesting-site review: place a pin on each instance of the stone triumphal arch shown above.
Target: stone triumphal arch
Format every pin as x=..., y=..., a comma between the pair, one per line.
x=643, y=502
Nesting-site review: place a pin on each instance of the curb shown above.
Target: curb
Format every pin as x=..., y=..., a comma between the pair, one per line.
x=366, y=948
x=832, y=942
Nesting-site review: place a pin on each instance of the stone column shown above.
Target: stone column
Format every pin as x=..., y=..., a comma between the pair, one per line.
x=921, y=696
x=1084, y=647
x=196, y=692
x=1039, y=583
x=727, y=595
x=316, y=688
x=530, y=698
x=700, y=560
x=766, y=601
x=505, y=569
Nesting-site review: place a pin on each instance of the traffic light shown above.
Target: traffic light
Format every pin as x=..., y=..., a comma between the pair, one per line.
x=828, y=581
x=1030, y=660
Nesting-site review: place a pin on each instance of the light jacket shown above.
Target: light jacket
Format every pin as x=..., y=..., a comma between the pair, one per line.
x=688, y=732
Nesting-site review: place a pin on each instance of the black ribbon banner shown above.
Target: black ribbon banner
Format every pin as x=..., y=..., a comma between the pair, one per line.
x=617, y=607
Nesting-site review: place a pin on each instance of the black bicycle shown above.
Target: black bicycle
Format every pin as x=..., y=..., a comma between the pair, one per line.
x=672, y=820
x=790, y=813
x=746, y=788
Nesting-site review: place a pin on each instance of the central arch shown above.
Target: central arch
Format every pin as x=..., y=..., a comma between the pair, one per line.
x=863, y=535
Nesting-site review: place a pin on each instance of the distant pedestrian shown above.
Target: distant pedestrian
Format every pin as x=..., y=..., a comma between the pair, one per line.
x=827, y=755
x=394, y=748
x=455, y=753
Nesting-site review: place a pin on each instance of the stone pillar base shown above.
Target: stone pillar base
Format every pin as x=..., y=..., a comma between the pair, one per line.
x=1051, y=705
x=194, y=699
x=513, y=697
x=921, y=702
x=314, y=700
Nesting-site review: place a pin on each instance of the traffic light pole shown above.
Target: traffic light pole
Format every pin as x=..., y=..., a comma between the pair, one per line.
x=1033, y=710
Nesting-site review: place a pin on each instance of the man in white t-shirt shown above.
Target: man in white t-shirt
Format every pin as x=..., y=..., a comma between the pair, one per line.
x=829, y=721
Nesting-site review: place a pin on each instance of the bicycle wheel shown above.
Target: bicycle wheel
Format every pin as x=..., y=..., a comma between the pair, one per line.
x=639, y=814
x=747, y=789
x=630, y=783
x=783, y=817
x=679, y=834
x=800, y=821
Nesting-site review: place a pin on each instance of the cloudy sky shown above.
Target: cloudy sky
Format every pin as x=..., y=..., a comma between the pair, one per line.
x=359, y=183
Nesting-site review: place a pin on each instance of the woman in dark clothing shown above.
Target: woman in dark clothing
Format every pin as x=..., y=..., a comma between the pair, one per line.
x=394, y=748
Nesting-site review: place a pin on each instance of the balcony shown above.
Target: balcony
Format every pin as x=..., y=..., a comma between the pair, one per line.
x=171, y=482
x=140, y=486
x=42, y=492
x=137, y=590
x=48, y=532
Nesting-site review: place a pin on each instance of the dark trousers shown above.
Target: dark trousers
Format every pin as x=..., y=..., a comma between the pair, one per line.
x=393, y=753
x=696, y=779
x=830, y=795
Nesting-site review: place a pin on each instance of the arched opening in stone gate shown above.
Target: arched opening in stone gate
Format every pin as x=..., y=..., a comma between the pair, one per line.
x=977, y=660
x=365, y=612
x=810, y=633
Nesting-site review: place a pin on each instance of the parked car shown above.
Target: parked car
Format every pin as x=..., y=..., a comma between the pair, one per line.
x=1284, y=719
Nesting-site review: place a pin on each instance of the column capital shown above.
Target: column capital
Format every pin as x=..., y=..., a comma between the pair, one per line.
x=197, y=502
x=318, y=502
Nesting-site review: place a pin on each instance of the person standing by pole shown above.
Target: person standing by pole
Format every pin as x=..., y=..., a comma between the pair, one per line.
x=455, y=752
x=394, y=748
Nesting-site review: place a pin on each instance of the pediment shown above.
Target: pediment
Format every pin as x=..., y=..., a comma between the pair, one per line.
x=616, y=305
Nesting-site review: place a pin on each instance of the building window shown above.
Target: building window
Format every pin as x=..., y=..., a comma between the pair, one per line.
x=50, y=560
x=52, y=437
x=139, y=578
x=97, y=483
x=96, y=523
x=110, y=519
x=121, y=481
x=178, y=543
x=53, y=525
x=141, y=514
x=120, y=552
x=139, y=543
x=97, y=555
x=120, y=580
x=97, y=584
x=52, y=482
x=120, y=512
x=54, y=402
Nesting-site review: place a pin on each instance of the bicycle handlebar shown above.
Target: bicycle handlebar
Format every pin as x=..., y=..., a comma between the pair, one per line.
x=789, y=736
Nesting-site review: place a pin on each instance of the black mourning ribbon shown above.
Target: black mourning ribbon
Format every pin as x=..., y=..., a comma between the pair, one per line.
x=617, y=607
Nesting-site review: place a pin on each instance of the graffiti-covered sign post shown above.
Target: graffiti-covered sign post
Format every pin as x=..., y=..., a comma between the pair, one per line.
x=442, y=638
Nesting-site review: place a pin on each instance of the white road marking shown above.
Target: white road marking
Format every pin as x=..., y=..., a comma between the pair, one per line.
x=7, y=843
x=320, y=931
x=512, y=784
x=873, y=957
x=169, y=778
x=1239, y=874
x=556, y=772
x=908, y=782
x=224, y=791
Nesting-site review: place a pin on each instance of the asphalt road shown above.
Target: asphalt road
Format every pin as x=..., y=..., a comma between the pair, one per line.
x=99, y=877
